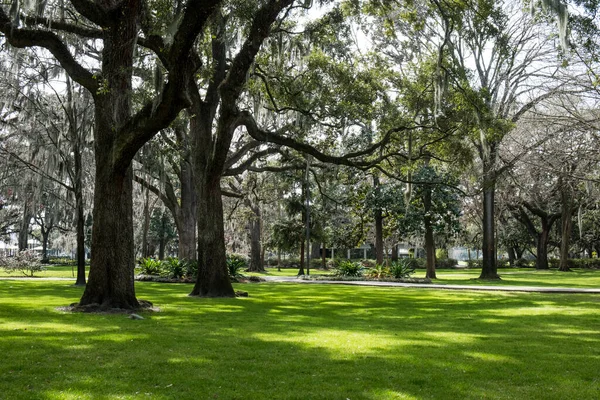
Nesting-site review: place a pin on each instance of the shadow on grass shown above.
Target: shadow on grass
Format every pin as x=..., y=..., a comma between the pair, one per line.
x=301, y=342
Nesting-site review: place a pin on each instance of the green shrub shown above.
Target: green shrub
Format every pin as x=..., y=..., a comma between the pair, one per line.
x=378, y=272
x=150, y=266
x=418, y=263
x=446, y=263
x=402, y=268
x=368, y=263
x=348, y=268
x=235, y=265
x=173, y=268
x=190, y=268
x=27, y=262
x=441, y=254
x=63, y=261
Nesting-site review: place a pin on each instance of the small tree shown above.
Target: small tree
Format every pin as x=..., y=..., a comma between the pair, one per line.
x=26, y=262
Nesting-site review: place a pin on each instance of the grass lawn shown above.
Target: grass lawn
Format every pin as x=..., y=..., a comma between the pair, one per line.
x=583, y=278
x=292, y=341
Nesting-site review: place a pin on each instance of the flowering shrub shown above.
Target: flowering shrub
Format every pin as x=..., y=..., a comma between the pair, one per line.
x=26, y=262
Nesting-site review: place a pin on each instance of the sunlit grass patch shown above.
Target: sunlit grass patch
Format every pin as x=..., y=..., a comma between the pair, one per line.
x=290, y=341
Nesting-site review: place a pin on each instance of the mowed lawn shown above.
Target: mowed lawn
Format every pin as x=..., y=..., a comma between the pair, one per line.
x=292, y=341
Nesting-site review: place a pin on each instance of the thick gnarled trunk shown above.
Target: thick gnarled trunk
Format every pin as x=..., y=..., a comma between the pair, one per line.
x=213, y=277
x=111, y=282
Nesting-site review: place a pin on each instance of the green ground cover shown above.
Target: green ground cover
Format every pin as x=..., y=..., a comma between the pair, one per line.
x=291, y=341
x=578, y=278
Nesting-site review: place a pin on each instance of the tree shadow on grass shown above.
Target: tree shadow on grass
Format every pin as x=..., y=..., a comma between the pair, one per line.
x=300, y=342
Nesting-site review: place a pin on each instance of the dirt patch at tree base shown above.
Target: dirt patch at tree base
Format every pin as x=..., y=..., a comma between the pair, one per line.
x=103, y=309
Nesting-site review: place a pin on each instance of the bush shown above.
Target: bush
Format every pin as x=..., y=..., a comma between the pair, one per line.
x=27, y=262
x=402, y=268
x=173, y=268
x=446, y=263
x=150, y=266
x=479, y=263
x=368, y=263
x=348, y=268
x=378, y=272
x=190, y=268
x=235, y=264
x=441, y=254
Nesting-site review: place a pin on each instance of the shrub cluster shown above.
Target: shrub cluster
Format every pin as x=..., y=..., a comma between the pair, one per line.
x=400, y=269
x=585, y=263
x=27, y=262
x=172, y=268
x=347, y=268
x=236, y=263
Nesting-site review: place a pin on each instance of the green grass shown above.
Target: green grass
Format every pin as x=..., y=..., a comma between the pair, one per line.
x=292, y=341
x=51, y=271
x=578, y=278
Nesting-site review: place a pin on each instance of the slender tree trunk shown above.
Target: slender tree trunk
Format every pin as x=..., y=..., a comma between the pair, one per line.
x=519, y=252
x=542, y=247
x=315, y=251
x=24, y=231
x=395, y=252
x=566, y=222
x=255, y=241
x=378, y=237
x=301, y=270
x=378, y=216
x=79, y=209
x=324, y=257
x=429, y=242
x=489, y=269
x=511, y=256
x=45, y=237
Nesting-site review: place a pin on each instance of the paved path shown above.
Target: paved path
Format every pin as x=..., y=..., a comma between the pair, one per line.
x=502, y=288
x=293, y=279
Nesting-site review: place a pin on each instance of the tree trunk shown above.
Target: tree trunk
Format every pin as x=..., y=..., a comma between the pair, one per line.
x=301, y=270
x=542, y=245
x=315, y=251
x=489, y=269
x=511, y=256
x=45, y=237
x=378, y=237
x=255, y=239
x=395, y=252
x=213, y=277
x=324, y=257
x=111, y=283
x=519, y=252
x=186, y=219
x=429, y=243
x=24, y=231
x=146, y=226
x=566, y=219
x=79, y=209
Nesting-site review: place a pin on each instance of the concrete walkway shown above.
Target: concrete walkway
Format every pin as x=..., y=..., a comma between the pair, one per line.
x=502, y=288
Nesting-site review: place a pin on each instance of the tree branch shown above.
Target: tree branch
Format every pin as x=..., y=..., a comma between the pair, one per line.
x=22, y=38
